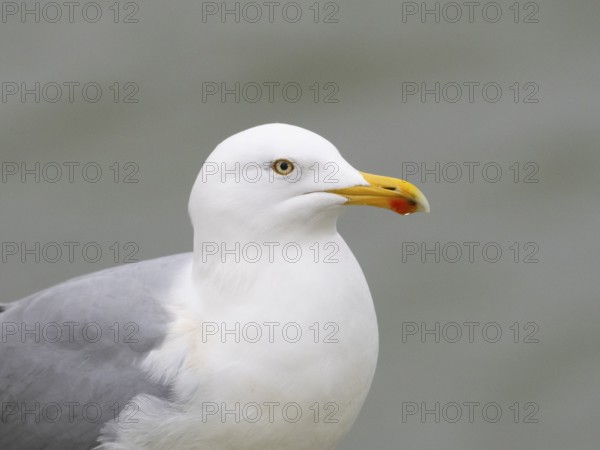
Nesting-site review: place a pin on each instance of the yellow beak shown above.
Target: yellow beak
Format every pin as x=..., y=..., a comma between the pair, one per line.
x=386, y=192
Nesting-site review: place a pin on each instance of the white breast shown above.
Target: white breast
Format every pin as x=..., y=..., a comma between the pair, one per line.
x=284, y=363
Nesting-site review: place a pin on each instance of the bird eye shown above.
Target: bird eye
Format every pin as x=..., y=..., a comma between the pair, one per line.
x=283, y=166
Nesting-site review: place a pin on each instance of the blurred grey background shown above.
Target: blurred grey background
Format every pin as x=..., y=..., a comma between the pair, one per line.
x=367, y=55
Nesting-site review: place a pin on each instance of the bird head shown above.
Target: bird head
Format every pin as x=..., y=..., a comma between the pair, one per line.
x=283, y=177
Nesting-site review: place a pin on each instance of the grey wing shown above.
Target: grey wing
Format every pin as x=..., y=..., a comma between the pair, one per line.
x=70, y=355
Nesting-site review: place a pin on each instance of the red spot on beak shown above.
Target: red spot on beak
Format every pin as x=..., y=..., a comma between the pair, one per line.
x=403, y=206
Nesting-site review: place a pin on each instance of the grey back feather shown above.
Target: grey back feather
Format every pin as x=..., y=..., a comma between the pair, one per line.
x=69, y=355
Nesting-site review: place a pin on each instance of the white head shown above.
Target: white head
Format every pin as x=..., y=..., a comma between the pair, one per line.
x=278, y=179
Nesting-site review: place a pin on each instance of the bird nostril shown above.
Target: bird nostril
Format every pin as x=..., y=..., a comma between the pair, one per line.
x=389, y=188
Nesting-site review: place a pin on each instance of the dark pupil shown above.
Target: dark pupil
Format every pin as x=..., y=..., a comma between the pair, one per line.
x=283, y=166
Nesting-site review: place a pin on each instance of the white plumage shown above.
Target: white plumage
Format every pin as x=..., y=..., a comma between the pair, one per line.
x=268, y=336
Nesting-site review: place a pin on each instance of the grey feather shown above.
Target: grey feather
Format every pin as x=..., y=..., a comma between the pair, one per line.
x=60, y=380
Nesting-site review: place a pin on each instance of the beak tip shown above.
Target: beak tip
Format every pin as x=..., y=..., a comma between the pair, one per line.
x=425, y=205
